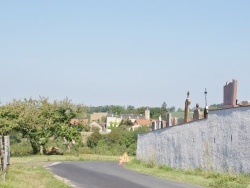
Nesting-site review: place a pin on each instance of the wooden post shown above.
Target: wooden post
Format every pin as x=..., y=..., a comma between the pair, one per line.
x=7, y=150
x=1, y=153
x=4, y=155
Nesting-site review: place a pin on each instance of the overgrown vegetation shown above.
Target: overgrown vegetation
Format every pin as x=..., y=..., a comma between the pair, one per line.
x=35, y=125
x=117, y=142
x=196, y=177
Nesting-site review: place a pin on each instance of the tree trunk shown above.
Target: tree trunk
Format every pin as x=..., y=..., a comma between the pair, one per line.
x=68, y=147
x=41, y=149
x=34, y=145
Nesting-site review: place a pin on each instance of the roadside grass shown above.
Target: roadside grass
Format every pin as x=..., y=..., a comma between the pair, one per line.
x=29, y=171
x=29, y=176
x=195, y=177
x=39, y=159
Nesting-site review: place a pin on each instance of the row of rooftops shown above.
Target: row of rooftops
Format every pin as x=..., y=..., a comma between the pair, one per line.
x=127, y=116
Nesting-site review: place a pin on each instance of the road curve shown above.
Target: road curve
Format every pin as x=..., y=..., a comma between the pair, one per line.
x=108, y=175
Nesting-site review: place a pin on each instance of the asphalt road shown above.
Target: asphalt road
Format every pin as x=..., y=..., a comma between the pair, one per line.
x=108, y=175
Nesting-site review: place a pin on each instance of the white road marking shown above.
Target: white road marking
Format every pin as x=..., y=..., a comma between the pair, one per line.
x=53, y=164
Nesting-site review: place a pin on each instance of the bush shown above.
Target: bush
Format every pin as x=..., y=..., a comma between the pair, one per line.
x=20, y=149
x=93, y=139
x=117, y=142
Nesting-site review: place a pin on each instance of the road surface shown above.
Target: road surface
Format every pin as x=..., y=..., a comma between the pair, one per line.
x=108, y=175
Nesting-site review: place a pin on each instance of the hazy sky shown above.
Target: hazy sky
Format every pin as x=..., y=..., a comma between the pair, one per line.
x=133, y=52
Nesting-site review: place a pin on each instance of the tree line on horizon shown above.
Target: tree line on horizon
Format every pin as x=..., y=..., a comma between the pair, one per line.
x=155, y=112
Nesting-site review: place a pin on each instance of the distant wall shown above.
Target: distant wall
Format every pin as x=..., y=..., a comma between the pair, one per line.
x=219, y=143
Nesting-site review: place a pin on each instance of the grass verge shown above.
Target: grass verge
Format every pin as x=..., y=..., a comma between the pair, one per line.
x=195, y=177
x=28, y=171
x=56, y=158
x=30, y=176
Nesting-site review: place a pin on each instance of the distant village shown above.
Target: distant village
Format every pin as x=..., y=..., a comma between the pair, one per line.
x=105, y=121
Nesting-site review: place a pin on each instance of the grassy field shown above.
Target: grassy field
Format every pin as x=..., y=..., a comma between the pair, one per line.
x=29, y=172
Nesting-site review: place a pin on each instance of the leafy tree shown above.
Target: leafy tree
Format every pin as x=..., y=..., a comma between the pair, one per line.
x=180, y=110
x=116, y=109
x=126, y=122
x=172, y=109
x=140, y=110
x=130, y=110
x=93, y=139
x=39, y=120
x=215, y=106
x=156, y=112
x=8, y=118
x=81, y=111
x=164, y=106
x=117, y=142
x=85, y=128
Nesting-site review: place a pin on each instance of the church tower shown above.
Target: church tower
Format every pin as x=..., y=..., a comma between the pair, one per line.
x=147, y=113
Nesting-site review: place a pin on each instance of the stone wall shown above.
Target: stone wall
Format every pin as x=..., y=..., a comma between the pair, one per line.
x=220, y=143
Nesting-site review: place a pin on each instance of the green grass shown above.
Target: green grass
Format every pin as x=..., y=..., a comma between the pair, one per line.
x=30, y=176
x=181, y=114
x=195, y=177
x=28, y=171
x=39, y=159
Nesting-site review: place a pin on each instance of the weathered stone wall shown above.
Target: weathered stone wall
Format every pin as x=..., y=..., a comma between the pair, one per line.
x=220, y=143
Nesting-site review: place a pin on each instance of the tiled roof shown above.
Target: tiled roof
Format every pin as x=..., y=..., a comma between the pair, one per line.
x=143, y=122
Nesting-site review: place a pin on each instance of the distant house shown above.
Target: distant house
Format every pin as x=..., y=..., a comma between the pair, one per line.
x=142, y=122
x=97, y=125
x=115, y=120
x=98, y=117
x=79, y=121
